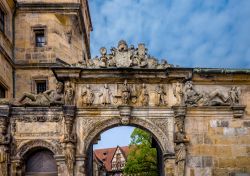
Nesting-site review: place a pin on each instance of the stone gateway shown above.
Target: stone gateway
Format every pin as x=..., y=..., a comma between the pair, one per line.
x=56, y=100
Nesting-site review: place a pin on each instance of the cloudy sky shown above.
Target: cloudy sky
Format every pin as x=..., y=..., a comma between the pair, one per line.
x=189, y=33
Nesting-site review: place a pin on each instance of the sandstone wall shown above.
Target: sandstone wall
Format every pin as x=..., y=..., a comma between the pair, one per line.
x=6, y=78
x=219, y=143
x=58, y=29
x=6, y=46
x=25, y=79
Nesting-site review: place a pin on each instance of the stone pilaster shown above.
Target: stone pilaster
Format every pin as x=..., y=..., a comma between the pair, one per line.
x=180, y=139
x=80, y=166
x=4, y=139
x=169, y=164
x=69, y=139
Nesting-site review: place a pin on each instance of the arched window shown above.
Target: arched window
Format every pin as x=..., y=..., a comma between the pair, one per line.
x=40, y=163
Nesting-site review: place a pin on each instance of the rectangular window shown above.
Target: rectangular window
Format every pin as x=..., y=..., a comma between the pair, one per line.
x=40, y=86
x=39, y=37
x=2, y=14
x=2, y=92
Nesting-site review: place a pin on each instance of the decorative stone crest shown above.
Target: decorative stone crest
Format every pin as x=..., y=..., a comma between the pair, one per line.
x=123, y=57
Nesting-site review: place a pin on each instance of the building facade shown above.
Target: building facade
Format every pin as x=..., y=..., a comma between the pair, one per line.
x=112, y=160
x=55, y=100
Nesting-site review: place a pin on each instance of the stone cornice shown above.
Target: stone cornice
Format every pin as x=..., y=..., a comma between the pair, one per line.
x=169, y=74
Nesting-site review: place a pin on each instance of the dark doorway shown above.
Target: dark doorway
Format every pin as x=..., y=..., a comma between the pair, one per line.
x=40, y=163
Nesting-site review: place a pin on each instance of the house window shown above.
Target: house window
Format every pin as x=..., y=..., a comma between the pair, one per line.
x=2, y=92
x=2, y=14
x=39, y=37
x=41, y=86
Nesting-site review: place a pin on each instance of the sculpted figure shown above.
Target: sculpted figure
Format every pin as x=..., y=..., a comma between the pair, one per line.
x=69, y=94
x=191, y=96
x=105, y=94
x=140, y=56
x=103, y=58
x=3, y=161
x=111, y=59
x=178, y=93
x=87, y=96
x=47, y=98
x=144, y=96
x=160, y=95
x=234, y=95
x=180, y=148
x=125, y=93
x=70, y=157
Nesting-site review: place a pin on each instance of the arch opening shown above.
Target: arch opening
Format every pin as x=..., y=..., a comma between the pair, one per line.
x=95, y=163
x=40, y=162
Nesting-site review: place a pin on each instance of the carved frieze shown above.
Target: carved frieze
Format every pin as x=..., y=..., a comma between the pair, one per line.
x=39, y=118
x=122, y=94
x=215, y=97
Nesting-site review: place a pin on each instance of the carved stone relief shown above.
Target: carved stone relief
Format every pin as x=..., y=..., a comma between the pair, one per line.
x=47, y=98
x=192, y=97
x=69, y=93
x=105, y=95
x=122, y=94
x=87, y=96
x=178, y=93
x=160, y=95
x=180, y=140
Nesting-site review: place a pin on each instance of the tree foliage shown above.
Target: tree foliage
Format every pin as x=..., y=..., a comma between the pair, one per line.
x=142, y=159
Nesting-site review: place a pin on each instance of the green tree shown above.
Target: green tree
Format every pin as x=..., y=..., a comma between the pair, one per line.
x=142, y=159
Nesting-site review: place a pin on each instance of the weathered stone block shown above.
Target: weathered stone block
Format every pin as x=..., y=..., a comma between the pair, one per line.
x=246, y=123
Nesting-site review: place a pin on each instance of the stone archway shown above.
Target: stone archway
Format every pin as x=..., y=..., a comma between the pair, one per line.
x=31, y=150
x=90, y=127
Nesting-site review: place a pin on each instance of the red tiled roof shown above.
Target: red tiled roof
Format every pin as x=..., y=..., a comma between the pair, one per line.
x=106, y=155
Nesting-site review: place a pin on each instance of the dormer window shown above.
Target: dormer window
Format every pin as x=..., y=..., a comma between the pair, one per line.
x=39, y=37
x=2, y=16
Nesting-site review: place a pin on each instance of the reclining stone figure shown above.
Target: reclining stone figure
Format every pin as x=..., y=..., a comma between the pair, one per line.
x=47, y=98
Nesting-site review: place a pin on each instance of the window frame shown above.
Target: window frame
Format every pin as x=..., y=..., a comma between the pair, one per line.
x=40, y=34
x=37, y=79
x=38, y=29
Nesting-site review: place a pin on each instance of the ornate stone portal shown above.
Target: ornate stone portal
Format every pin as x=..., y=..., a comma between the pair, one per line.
x=126, y=87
